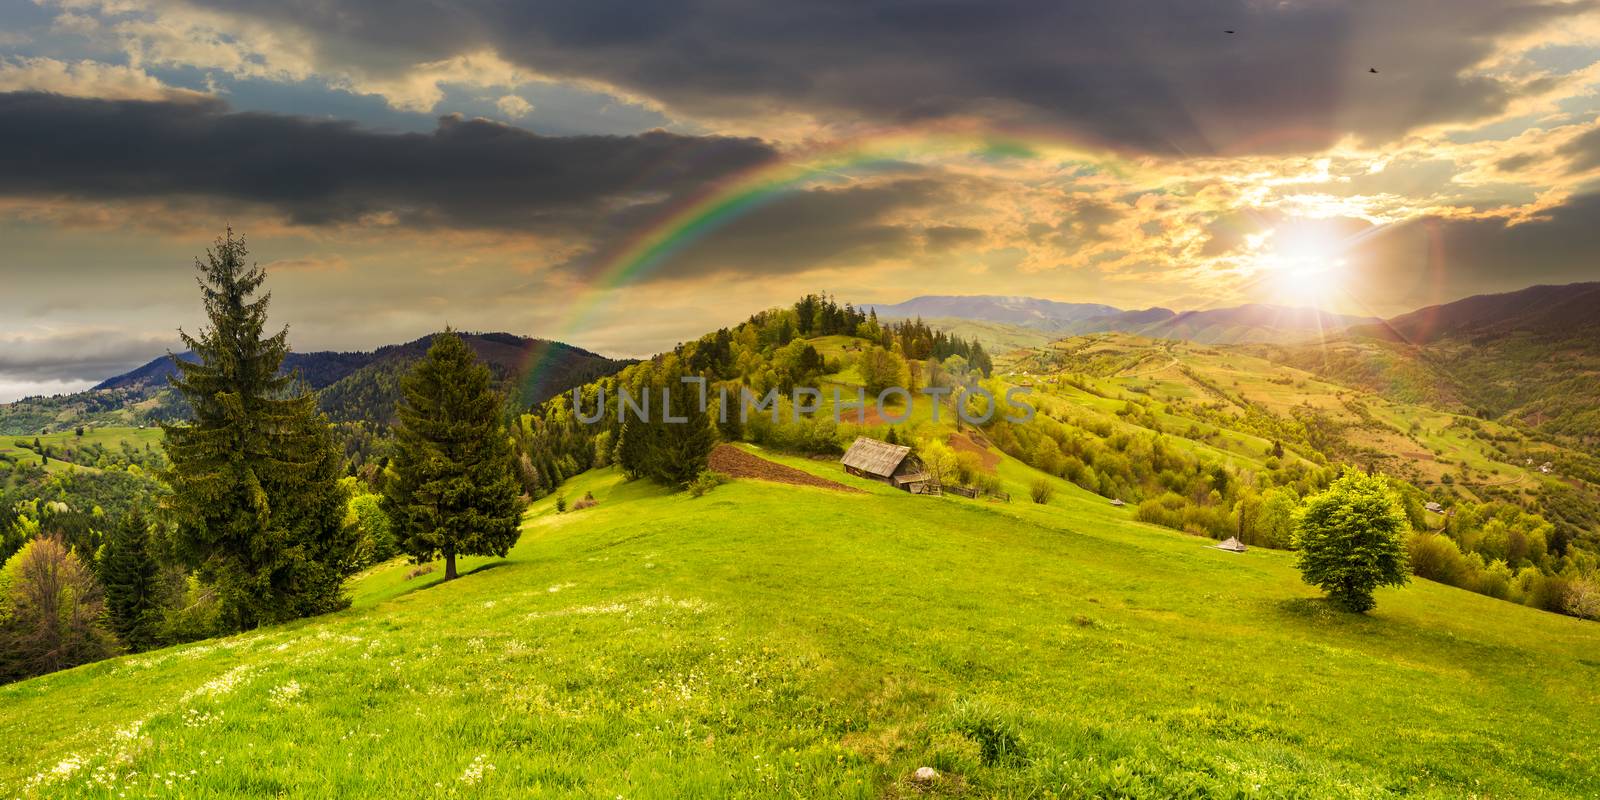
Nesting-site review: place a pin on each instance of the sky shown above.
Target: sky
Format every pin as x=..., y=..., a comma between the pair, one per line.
x=623, y=176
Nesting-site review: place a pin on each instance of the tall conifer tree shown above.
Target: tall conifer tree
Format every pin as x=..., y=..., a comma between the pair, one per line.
x=255, y=471
x=128, y=572
x=672, y=445
x=455, y=490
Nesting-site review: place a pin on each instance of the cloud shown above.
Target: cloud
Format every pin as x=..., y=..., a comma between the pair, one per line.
x=1166, y=80
x=1584, y=150
x=945, y=237
x=84, y=354
x=86, y=78
x=1433, y=258
x=513, y=106
x=858, y=225
x=468, y=173
x=332, y=263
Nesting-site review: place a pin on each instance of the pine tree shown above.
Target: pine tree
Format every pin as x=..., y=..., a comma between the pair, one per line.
x=668, y=451
x=255, y=472
x=129, y=574
x=683, y=447
x=455, y=490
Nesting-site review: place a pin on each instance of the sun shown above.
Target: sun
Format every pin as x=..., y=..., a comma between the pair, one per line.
x=1302, y=267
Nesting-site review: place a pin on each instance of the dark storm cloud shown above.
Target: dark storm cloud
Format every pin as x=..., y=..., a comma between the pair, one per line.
x=80, y=355
x=944, y=237
x=466, y=174
x=1584, y=151
x=1417, y=257
x=800, y=231
x=1158, y=76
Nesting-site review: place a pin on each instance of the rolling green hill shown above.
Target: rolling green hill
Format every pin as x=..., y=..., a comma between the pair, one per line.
x=997, y=337
x=660, y=645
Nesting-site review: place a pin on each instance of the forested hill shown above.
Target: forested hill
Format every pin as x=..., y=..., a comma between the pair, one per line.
x=1530, y=357
x=353, y=386
x=529, y=371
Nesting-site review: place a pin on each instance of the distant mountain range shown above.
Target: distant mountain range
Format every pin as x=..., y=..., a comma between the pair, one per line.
x=1240, y=324
x=1029, y=312
x=351, y=386
x=1536, y=309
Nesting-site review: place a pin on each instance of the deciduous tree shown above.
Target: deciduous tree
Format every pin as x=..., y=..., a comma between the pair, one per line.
x=1352, y=539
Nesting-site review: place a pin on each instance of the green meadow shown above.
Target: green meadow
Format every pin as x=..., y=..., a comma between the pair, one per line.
x=768, y=640
x=21, y=447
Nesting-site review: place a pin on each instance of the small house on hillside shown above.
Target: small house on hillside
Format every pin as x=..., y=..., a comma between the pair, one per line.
x=1118, y=503
x=1232, y=545
x=891, y=463
x=1434, y=507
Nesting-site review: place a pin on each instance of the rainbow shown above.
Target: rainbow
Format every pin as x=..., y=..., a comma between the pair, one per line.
x=728, y=199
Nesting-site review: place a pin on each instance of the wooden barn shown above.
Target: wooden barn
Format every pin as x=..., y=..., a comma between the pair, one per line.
x=891, y=463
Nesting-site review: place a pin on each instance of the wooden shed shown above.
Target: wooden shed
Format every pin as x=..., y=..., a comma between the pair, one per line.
x=891, y=463
x=1232, y=545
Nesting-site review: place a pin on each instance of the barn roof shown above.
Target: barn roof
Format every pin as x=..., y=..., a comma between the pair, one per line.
x=1232, y=545
x=875, y=457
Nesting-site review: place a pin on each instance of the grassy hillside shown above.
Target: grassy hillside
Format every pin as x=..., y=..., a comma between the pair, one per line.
x=68, y=450
x=997, y=337
x=666, y=646
x=1206, y=394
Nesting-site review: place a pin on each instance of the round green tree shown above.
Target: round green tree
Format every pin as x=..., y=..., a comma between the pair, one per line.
x=1351, y=540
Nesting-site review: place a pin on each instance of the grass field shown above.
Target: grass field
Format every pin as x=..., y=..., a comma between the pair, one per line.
x=776, y=641
x=21, y=447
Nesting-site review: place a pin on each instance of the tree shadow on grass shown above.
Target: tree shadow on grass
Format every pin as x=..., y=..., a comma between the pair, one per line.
x=1320, y=612
x=438, y=577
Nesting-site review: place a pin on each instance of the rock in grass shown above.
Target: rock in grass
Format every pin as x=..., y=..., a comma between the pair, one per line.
x=925, y=775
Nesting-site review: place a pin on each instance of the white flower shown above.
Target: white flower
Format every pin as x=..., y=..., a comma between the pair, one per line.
x=285, y=694
x=474, y=773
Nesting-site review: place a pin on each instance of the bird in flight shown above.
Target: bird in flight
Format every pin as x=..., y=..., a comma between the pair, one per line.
x=1373, y=70
x=1230, y=31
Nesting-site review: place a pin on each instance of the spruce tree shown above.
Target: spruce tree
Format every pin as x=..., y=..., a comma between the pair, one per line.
x=454, y=491
x=683, y=446
x=130, y=576
x=255, y=471
x=672, y=447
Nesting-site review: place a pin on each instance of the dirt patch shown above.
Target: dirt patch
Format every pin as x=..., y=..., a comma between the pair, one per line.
x=962, y=443
x=872, y=416
x=732, y=461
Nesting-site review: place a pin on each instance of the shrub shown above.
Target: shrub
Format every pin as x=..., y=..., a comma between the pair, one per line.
x=1437, y=558
x=705, y=482
x=561, y=504
x=1166, y=511
x=1583, y=598
x=1041, y=491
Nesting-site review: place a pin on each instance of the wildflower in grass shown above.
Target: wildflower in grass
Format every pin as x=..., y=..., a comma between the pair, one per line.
x=220, y=685
x=477, y=770
x=284, y=695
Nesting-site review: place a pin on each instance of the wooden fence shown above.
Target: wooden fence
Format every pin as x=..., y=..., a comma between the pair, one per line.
x=973, y=493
